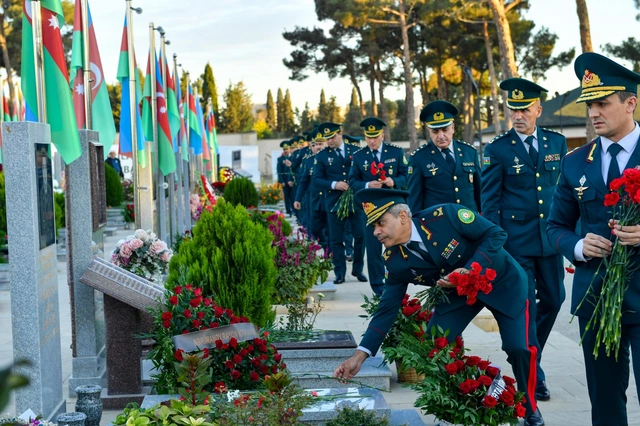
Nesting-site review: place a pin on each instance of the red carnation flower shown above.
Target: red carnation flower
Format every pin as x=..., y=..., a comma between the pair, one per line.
x=214, y=325
x=507, y=398
x=482, y=365
x=459, y=342
x=236, y=374
x=205, y=353
x=166, y=316
x=489, y=401
x=195, y=302
x=244, y=352
x=255, y=362
x=492, y=371
x=441, y=342
x=196, y=323
x=264, y=369
x=451, y=369
x=237, y=359
x=187, y=313
x=485, y=380
x=278, y=357
x=229, y=364
x=200, y=315
x=611, y=199
x=166, y=324
x=188, y=287
x=473, y=360
x=207, y=301
x=197, y=292
x=490, y=274
x=616, y=184
x=508, y=380
x=254, y=376
x=178, y=354
x=520, y=411
x=250, y=348
x=233, y=342
x=263, y=348
x=177, y=289
x=433, y=352
x=173, y=300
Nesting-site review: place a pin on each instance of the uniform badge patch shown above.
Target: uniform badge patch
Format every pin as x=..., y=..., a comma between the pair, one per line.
x=410, y=170
x=449, y=249
x=466, y=216
x=486, y=161
x=404, y=160
x=552, y=157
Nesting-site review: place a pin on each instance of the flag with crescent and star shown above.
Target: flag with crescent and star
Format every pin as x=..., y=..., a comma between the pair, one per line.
x=166, y=156
x=102, y=117
x=60, y=114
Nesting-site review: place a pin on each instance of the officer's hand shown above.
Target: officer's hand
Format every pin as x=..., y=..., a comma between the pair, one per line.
x=349, y=368
x=628, y=235
x=287, y=163
x=290, y=184
x=596, y=246
x=375, y=184
x=296, y=205
x=342, y=186
x=445, y=283
x=389, y=182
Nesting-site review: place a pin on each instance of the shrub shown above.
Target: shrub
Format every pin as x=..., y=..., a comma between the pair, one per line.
x=115, y=194
x=233, y=259
x=58, y=199
x=241, y=191
x=266, y=218
x=354, y=415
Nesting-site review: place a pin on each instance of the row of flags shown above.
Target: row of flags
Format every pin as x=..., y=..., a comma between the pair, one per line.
x=65, y=110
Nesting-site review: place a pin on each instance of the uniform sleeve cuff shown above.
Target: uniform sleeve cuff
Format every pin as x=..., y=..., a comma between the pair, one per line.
x=365, y=350
x=333, y=185
x=577, y=251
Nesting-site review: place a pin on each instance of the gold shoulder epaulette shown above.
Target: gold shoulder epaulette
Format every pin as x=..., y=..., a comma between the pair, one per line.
x=393, y=145
x=419, y=148
x=360, y=150
x=580, y=147
x=467, y=144
x=500, y=136
x=552, y=131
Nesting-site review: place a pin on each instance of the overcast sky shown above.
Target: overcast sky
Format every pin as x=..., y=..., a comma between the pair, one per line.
x=242, y=39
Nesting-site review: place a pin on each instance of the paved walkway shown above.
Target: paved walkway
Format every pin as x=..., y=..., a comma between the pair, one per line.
x=562, y=362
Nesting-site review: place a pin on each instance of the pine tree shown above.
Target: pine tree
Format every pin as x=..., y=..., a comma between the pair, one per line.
x=271, y=111
x=333, y=111
x=209, y=89
x=237, y=115
x=289, y=125
x=306, y=119
x=351, y=125
x=279, y=112
x=322, y=108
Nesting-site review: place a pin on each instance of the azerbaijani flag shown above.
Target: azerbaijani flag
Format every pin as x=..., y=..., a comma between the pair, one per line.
x=59, y=106
x=125, y=104
x=182, y=135
x=195, y=134
x=204, y=145
x=101, y=114
x=5, y=109
x=147, y=117
x=166, y=156
x=172, y=104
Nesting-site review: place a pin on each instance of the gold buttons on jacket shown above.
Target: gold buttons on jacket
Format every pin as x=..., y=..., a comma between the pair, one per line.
x=456, y=189
x=540, y=202
x=458, y=201
x=537, y=175
x=541, y=216
x=455, y=178
x=539, y=188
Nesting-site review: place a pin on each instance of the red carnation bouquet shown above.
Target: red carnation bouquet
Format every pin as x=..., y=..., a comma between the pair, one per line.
x=471, y=283
x=378, y=170
x=458, y=388
x=606, y=320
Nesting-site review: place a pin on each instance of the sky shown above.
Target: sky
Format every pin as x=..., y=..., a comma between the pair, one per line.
x=242, y=40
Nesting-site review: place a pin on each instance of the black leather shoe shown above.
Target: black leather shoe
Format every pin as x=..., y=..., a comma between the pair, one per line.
x=535, y=419
x=360, y=276
x=349, y=258
x=339, y=280
x=542, y=392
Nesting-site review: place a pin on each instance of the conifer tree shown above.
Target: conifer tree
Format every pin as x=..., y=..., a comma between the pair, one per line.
x=306, y=119
x=209, y=89
x=322, y=108
x=271, y=111
x=289, y=124
x=237, y=115
x=280, y=111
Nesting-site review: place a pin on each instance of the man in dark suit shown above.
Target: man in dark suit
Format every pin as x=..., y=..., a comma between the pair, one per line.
x=363, y=175
x=443, y=170
x=285, y=177
x=307, y=193
x=114, y=162
x=424, y=250
x=520, y=173
x=331, y=175
x=610, y=93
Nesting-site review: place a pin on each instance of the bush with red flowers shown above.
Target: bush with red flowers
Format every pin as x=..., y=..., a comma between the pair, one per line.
x=234, y=364
x=459, y=388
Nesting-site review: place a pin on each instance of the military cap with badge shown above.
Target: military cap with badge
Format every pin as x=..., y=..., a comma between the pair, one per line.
x=521, y=93
x=373, y=127
x=438, y=114
x=376, y=201
x=602, y=77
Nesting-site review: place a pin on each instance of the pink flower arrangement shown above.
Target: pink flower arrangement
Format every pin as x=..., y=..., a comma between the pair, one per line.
x=143, y=254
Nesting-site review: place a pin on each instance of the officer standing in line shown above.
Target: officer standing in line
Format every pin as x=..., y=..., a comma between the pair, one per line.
x=424, y=249
x=301, y=149
x=443, y=170
x=520, y=174
x=285, y=177
x=331, y=175
x=307, y=193
x=610, y=92
x=366, y=174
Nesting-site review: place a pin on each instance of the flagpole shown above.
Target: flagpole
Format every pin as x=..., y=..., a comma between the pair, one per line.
x=159, y=177
x=210, y=131
x=165, y=87
x=199, y=157
x=192, y=164
x=86, y=65
x=38, y=53
x=182, y=210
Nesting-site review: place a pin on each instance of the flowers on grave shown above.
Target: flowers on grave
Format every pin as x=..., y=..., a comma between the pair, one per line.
x=300, y=263
x=271, y=194
x=195, y=206
x=234, y=364
x=378, y=170
x=266, y=218
x=461, y=389
x=143, y=254
x=14, y=421
x=612, y=278
x=129, y=213
x=471, y=283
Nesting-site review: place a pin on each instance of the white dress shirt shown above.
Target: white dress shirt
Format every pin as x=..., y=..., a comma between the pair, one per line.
x=522, y=137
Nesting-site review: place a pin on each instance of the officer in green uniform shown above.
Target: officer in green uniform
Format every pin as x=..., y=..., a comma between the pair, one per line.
x=353, y=140
x=331, y=176
x=285, y=177
x=609, y=91
x=443, y=170
x=295, y=163
x=365, y=173
x=426, y=248
x=307, y=193
x=519, y=177
x=348, y=235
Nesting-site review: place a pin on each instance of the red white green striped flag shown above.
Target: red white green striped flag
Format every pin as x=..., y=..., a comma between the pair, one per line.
x=172, y=104
x=147, y=118
x=166, y=156
x=60, y=115
x=101, y=115
x=5, y=108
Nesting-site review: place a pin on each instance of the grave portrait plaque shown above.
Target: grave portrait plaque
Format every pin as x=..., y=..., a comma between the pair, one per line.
x=98, y=186
x=44, y=182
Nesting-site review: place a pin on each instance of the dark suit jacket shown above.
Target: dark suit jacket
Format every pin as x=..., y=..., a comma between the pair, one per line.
x=330, y=168
x=452, y=242
x=395, y=165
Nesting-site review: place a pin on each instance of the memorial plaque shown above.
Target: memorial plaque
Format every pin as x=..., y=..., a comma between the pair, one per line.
x=98, y=186
x=190, y=342
x=321, y=339
x=44, y=185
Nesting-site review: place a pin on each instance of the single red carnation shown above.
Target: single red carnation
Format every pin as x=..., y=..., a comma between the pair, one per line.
x=441, y=342
x=233, y=342
x=507, y=398
x=196, y=323
x=508, y=380
x=264, y=369
x=187, y=313
x=255, y=362
x=237, y=359
x=195, y=302
x=178, y=354
x=177, y=289
x=197, y=292
x=490, y=274
x=451, y=369
x=166, y=316
x=254, y=376
x=200, y=315
x=570, y=270
x=166, y=324
x=459, y=342
x=616, y=184
x=611, y=199
x=489, y=401
x=520, y=411
x=207, y=301
x=473, y=360
x=277, y=357
x=492, y=371
x=173, y=300
x=482, y=365
x=236, y=374
x=485, y=380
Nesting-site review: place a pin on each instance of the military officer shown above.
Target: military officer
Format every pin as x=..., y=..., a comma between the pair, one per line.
x=609, y=91
x=295, y=164
x=331, y=176
x=520, y=173
x=443, y=170
x=285, y=177
x=307, y=193
x=426, y=248
x=366, y=174
x=353, y=140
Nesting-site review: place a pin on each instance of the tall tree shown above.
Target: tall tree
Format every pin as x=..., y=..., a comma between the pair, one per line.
x=271, y=111
x=237, y=115
x=585, y=42
x=289, y=124
x=279, y=112
x=497, y=126
x=628, y=50
x=115, y=95
x=333, y=111
x=323, y=115
x=353, y=117
x=305, y=118
x=209, y=89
